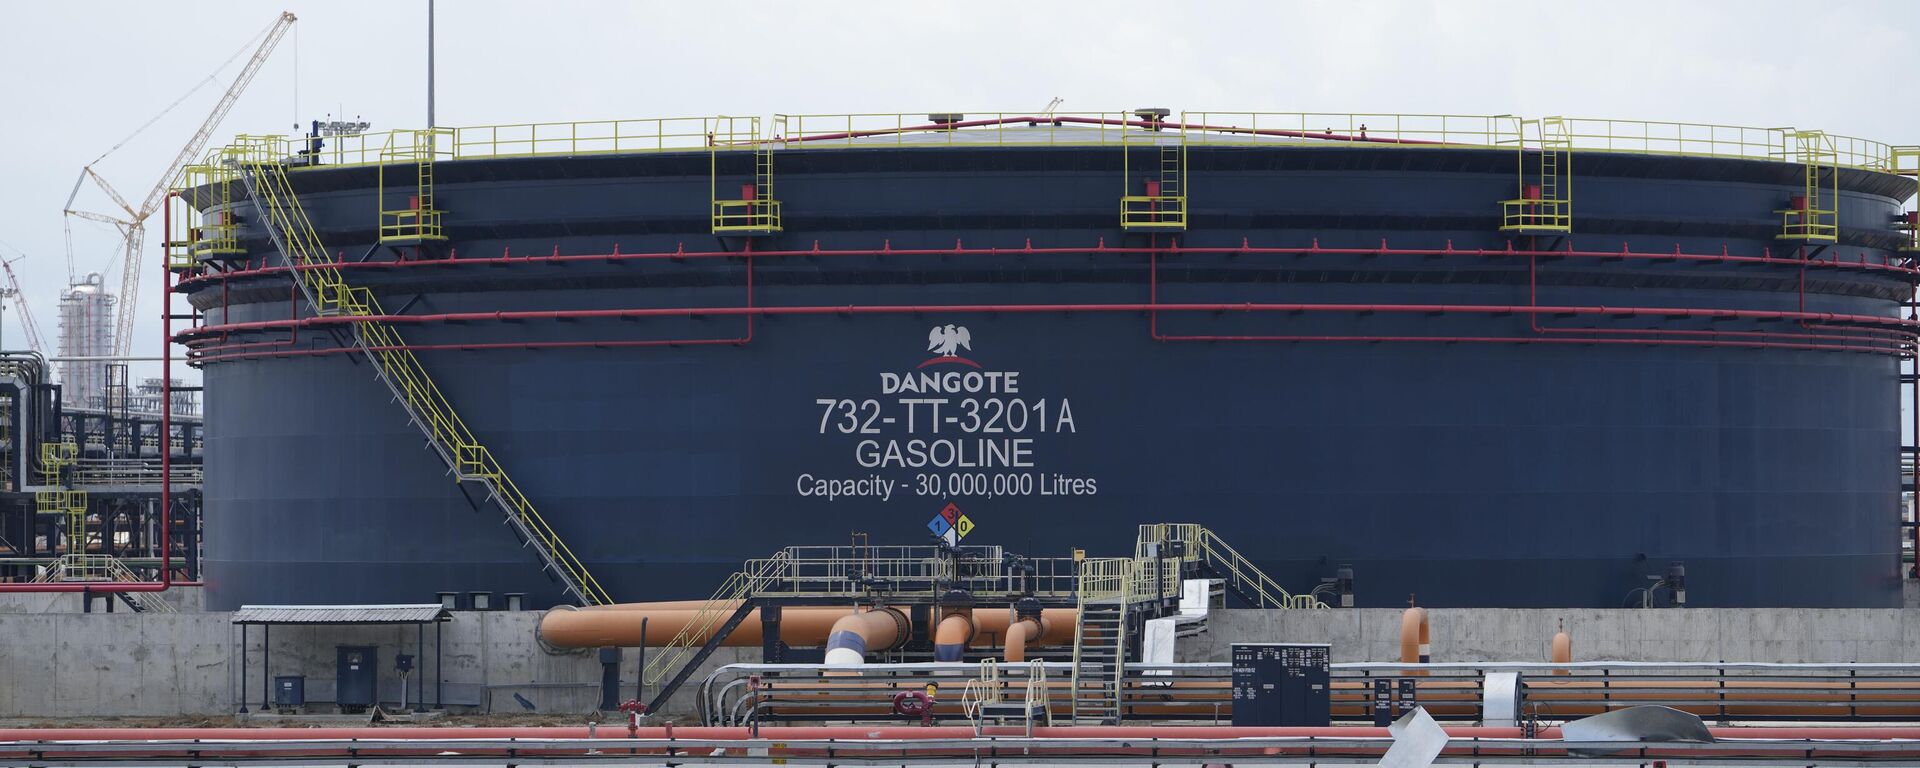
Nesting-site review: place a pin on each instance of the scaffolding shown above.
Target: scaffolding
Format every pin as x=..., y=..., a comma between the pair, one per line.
x=86, y=331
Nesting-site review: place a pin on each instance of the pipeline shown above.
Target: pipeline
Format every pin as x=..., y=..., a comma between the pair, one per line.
x=1416, y=639
x=618, y=625
x=853, y=636
x=31, y=371
x=1561, y=649
x=953, y=634
x=1766, y=258
x=1025, y=630
x=775, y=732
x=203, y=354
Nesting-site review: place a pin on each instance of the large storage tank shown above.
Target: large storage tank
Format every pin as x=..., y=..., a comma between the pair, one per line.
x=1338, y=357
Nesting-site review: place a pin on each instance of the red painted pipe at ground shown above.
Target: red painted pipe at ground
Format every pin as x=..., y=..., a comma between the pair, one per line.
x=862, y=733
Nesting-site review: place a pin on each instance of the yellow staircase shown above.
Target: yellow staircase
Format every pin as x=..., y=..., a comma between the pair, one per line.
x=711, y=623
x=1545, y=203
x=1814, y=215
x=260, y=163
x=755, y=212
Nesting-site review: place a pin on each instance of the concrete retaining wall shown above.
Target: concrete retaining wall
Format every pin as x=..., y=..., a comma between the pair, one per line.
x=75, y=665
x=1494, y=634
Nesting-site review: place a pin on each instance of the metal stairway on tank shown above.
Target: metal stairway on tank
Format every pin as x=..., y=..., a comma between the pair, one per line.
x=260, y=165
x=1237, y=573
x=1099, y=656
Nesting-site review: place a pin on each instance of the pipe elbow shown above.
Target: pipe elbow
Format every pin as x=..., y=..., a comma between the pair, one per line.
x=1416, y=643
x=854, y=635
x=1020, y=633
x=951, y=636
x=1562, y=650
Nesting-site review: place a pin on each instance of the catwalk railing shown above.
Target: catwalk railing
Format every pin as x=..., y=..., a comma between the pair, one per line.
x=1014, y=129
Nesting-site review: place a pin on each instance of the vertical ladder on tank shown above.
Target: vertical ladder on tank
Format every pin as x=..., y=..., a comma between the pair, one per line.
x=1905, y=161
x=261, y=165
x=755, y=212
x=1162, y=206
x=1813, y=215
x=1545, y=203
x=418, y=220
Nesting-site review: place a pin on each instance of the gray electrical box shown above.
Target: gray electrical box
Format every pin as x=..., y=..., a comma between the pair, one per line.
x=1282, y=684
x=356, y=676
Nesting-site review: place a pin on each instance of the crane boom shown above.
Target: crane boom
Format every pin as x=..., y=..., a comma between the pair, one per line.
x=130, y=267
x=199, y=141
x=19, y=297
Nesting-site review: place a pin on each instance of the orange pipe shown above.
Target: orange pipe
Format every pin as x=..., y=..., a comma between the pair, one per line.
x=853, y=637
x=952, y=634
x=1562, y=651
x=1416, y=640
x=1026, y=630
x=618, y=626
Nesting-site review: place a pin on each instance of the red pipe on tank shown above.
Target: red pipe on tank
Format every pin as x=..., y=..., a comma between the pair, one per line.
x=204, y=359
x=1246, y=307
x=616, y=256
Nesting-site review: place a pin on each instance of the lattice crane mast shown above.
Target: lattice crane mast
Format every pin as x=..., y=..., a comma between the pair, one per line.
x=12, y=291
x=133, y=227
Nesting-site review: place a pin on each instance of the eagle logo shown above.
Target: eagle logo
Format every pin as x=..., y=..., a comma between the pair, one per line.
x=944, y=341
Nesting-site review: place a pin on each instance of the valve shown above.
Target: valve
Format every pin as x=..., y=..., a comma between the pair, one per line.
x=916, y=704
x=635, y=710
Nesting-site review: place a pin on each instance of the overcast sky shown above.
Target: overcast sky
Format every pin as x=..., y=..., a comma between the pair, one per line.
x=75, y=77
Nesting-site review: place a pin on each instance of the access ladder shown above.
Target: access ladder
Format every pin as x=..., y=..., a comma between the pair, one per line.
x=1099, y=656
x=261, y=165
x=1545, y=204
x=1162, y=206
x=419, y=220
x=755, y=212
x=1813, y=216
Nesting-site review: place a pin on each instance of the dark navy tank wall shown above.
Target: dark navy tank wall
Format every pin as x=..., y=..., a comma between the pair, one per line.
x=1555, y=465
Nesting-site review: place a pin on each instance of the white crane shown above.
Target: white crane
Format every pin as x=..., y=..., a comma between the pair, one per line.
x=132, y=228
x=12, y=291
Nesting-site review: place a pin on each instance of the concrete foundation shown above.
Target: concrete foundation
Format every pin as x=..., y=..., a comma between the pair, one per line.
x=75, y=665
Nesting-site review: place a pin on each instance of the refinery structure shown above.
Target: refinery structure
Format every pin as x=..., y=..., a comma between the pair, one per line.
x=1134, y=436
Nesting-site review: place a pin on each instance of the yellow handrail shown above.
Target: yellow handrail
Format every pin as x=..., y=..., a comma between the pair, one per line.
x=1025, y=129
x=723, y=602
x=262, y=162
